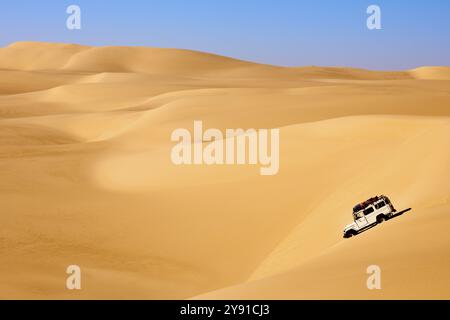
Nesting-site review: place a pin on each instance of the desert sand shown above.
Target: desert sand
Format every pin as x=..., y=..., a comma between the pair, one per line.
x=86, y=177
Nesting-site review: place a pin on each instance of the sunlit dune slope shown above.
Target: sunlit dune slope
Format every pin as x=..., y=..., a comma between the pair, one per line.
x=432, y=73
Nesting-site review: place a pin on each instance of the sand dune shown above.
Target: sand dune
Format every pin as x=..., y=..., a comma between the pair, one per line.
x=86, y=177
x=432, y=73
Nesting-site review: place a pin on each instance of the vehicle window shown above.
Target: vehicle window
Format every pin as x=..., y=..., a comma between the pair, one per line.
x=380, y=205
x=369, y=211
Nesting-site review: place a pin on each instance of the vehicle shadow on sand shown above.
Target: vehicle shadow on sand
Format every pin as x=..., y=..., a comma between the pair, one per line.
x=397, y=214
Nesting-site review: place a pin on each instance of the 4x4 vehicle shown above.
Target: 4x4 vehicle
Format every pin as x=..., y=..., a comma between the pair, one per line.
x=369, y=213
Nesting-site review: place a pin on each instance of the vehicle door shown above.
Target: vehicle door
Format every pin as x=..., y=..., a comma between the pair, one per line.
x=361, y=219
x=370, y=214
x=382, y=208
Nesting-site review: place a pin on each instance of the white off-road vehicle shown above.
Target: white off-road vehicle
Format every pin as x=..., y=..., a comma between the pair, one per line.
x=369, y=213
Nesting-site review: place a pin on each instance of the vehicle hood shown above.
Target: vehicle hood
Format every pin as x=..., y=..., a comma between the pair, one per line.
x=350, y=226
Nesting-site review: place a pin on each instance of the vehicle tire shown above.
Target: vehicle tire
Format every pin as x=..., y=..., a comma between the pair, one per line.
x=381, y=218
x=350, y=234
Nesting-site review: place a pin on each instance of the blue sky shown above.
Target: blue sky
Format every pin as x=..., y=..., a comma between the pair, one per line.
x=283, y=32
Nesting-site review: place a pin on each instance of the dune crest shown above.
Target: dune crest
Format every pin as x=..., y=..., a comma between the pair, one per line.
x=50, y=56
x=432, y=73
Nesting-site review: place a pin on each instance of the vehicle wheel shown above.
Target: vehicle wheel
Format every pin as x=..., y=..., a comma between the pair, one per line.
x=380, y=219
x=350, y=234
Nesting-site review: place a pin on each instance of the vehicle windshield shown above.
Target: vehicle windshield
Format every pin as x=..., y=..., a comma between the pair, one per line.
x=357, y=215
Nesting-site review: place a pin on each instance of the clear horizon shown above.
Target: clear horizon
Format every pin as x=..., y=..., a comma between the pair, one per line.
x=283, y=33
